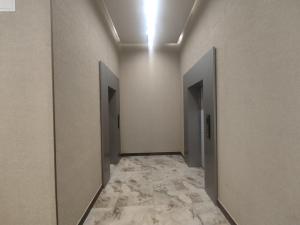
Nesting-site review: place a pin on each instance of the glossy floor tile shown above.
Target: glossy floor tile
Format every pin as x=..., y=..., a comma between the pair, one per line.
x=155, y=190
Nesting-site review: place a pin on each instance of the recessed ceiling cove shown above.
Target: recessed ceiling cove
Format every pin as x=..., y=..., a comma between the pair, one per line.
x=128, y=17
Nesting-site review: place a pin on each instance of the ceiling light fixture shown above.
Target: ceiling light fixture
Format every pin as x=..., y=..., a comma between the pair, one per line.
x=150, y=10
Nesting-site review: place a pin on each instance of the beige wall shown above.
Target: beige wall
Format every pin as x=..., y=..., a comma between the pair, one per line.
x=151, y=110
x=258, y=87
x=80, y=42
x=27, y=190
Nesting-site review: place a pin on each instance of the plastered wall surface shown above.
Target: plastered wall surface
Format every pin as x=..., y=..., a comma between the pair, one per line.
x=27, y=190
x=258, y=82
x=151, y=101
x=258, y=93
x=80, y=42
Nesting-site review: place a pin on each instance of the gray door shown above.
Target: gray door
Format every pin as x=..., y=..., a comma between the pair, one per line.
x=110, y=124
x=200, y=94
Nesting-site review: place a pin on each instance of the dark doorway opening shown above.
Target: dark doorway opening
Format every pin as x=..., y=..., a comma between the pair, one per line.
x=196, y=116
x=114, y=127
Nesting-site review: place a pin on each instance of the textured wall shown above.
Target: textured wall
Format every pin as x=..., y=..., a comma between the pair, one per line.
x=80, y=42
x=27, y=194
x=258, y=87
x=151, y=110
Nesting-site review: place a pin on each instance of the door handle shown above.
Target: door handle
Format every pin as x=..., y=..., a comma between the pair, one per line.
x=208, y=126
x=118, y=121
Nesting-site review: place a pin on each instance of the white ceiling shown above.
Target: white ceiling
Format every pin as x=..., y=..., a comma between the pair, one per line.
x=129, y=20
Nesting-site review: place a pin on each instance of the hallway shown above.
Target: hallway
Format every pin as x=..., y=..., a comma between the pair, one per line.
x=155, y=190
x=129, y=99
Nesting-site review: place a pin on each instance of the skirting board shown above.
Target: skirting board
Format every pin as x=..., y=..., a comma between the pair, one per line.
x=88, y=210
x=150, y=154
x=226, y=214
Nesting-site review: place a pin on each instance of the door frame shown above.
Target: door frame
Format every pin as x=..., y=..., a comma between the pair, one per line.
x=203, y=73
x=107, y=79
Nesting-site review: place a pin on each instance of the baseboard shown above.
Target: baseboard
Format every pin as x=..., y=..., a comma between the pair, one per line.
x=150, y=154
x=226, y=213
x=89, y=208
